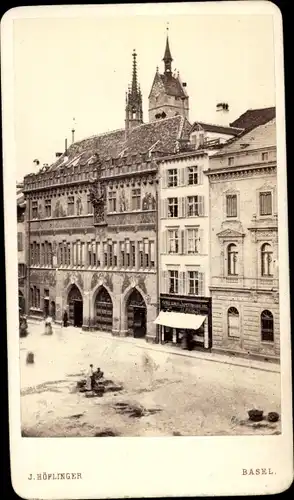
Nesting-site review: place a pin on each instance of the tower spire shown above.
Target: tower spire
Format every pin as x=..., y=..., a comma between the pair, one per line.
x=167, y=58
x=134, y=108
x=134, y=78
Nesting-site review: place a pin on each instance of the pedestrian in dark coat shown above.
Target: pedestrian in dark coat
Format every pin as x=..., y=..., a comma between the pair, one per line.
x=65, y=319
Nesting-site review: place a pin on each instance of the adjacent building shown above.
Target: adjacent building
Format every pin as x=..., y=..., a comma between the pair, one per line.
x=243, y=242
x=21, y=234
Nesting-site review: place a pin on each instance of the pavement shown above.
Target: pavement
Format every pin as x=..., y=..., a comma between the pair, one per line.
x=181, y=393
x=167, y=348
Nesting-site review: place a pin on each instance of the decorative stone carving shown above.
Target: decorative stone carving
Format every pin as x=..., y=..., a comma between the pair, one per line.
x=134, y=280
x=102, y=279
x=123, y=202
x=79, y=206
x=43, y=277
x=75, y=279
x=148, y=202
x=59, y=210
x=98, y=199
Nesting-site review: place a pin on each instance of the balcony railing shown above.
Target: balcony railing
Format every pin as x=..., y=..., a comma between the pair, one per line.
x=243, y=282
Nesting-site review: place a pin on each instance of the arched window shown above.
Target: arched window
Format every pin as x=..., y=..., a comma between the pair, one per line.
x=267, y=326
x=232, y=260
x=233, y=322
x=266, y=260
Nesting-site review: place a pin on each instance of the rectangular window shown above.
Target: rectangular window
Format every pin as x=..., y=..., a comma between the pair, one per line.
x=112, y=201
x=193, y=175
x=133, y=254
x=89, y=205
x=105, y=254
x=173, y=241
x=34, y=209
x=264, y=156
x=115, y=254
x=35, y=297
x=136, y=199
x=192, y=240
x=173, y=281
x=146, y=253
x=47, y=208
x=265, y=203
x=152, y=254
x=194, y=287
x=173, y=209
x=19, y=242
x=172, y=177
x=231, y=205
x=122, y=254
x=68, y=255
x=50, y=255
x=195, y=206
x=71, y=205
x=141, y=254
x=231, y=161
x=110, y=254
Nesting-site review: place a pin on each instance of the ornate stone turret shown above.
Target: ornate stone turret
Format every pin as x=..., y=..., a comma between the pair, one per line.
x=134, y=110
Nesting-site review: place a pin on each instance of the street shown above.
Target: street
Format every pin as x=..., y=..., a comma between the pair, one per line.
x=176, y=395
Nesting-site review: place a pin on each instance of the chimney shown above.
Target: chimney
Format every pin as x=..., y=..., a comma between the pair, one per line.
x=222, y=114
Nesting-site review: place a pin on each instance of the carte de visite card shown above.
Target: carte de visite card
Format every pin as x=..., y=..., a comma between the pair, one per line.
x=146, y=234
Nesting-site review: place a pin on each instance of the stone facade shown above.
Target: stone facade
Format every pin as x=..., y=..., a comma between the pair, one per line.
x=244, y=245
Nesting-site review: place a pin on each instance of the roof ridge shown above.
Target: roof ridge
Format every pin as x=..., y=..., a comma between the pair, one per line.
x=218, y=125
x=102, y=134
x=157, y=121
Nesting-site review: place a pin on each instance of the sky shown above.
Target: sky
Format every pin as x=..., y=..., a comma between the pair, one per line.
x=80, y=68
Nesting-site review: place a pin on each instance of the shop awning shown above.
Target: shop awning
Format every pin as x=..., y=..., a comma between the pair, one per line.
x=180, y=320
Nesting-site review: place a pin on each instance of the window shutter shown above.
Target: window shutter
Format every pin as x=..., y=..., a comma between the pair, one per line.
x=200, y=174
x=181, y=172
x=181, y=283
x=201, y=205
x=163, y=206
x=182, y=243
x=164, y=281
x=201, y=243
x=164, y=178
x=201, y=284
x=182, y=207
x=163, y=247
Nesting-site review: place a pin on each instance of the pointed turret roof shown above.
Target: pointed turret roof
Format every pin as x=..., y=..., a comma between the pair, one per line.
x=167, y=54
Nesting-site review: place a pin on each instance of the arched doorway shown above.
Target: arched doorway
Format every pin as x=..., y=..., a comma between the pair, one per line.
x=75, y=306
x=103, y=310
x=136, y=314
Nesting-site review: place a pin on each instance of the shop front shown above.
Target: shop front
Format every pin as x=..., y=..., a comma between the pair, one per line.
x=185, y=321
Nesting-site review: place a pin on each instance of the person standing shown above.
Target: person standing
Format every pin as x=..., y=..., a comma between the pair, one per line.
x=65, y=318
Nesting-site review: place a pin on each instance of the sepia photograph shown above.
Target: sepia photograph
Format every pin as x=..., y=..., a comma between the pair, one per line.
x=148, y=253
x=148, y=222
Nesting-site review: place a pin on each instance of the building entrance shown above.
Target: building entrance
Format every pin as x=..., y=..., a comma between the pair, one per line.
x=103, y=310
x=137, y=314
x=75, y=307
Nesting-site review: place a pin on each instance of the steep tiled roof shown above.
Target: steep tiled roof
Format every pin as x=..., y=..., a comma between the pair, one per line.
x=254, y=117
x=260, y=137
x=172, y=85
x=160, y=135
x=220, y=129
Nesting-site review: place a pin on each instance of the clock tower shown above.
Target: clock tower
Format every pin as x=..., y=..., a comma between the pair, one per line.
x=134, y=110
x=168, y=95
